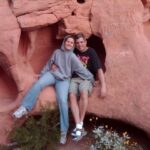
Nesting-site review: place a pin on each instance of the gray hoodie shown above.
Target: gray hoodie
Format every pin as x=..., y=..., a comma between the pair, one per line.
x=67, y=63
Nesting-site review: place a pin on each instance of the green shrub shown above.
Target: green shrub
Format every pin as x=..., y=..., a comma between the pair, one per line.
x=39, y=132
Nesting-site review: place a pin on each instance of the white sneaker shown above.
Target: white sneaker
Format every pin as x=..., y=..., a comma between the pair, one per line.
x=20, y=112
x=63, y=138
x=73, y=133
x=79, y=134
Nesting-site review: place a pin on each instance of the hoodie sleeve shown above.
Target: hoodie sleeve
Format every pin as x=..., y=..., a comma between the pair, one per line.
x=79, y=69
x=48, y=64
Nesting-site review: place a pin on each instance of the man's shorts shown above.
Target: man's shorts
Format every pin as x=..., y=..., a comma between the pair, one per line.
x=77, y=85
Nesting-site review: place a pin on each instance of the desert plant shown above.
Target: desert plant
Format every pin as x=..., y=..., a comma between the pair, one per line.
x=109, y=140
x=38, y=132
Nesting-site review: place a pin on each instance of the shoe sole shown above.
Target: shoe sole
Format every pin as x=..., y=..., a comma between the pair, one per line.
x=80, y=137
x=84, y=133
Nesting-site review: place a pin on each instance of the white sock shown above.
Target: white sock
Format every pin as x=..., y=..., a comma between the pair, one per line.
x=79, y=126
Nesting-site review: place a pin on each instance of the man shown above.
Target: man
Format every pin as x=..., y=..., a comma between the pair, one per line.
x=80, y=88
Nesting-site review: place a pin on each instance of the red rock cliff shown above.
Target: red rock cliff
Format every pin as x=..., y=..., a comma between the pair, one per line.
x=30, y=31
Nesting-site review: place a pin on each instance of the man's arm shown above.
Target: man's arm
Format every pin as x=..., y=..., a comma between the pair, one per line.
x=80, y=70
x=101, y=79
x=97, y=67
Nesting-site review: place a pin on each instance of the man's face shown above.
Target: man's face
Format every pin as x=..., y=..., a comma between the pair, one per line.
x=81, y=44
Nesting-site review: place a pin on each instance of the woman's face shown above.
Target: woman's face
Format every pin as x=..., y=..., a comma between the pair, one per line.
x=69, y=44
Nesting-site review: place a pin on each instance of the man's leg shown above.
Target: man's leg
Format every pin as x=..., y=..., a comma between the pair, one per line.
x=82, y=107
x=83, y=103
x=85, y=89
x=74, y=107
x=73, y=92
x=74, y=88
x=62, y=89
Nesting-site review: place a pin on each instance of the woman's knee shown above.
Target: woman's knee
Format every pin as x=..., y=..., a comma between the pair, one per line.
x=46, y=79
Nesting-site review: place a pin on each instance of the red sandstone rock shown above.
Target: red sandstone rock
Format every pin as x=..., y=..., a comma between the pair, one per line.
x=35, y=14
x=123, y=27
x=79, y=21
x=127, y=61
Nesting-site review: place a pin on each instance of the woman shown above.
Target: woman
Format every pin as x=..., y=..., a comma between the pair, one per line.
x=66, y=63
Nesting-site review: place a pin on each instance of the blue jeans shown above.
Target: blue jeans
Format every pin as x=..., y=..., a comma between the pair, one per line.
x=61, y=87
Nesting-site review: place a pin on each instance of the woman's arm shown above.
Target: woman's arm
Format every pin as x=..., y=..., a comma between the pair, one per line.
x=79, y=69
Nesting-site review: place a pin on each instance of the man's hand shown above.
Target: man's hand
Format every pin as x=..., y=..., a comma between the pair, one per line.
x=54, y=67
x=101, y=78
x=103, y=92
x=36, y=76
x=95, y=84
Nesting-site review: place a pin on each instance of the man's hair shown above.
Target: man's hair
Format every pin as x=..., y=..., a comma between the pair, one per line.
x=79, y=35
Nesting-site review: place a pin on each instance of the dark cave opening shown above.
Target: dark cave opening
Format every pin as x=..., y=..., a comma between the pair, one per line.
x=81, y=1
x=144, y=2
x=96, y=43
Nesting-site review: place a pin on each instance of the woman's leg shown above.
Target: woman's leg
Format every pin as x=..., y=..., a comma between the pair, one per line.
x=30, y=99
x=62, y=89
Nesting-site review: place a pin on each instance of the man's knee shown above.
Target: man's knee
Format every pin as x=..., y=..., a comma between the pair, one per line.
x=72, y=98
x=84, y=94
x=72, y=95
